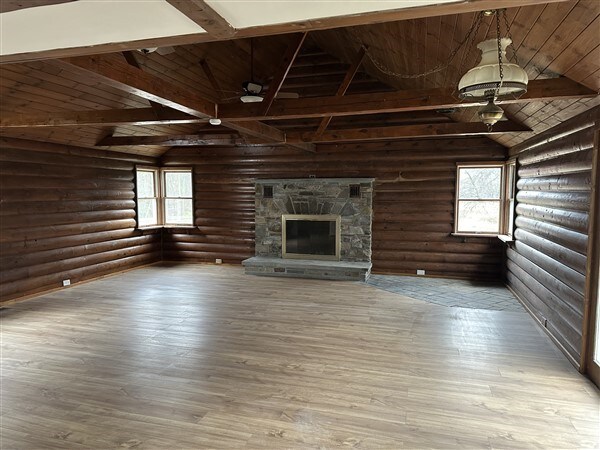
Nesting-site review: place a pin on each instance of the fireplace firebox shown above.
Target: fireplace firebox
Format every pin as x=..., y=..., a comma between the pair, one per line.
x=311, y=236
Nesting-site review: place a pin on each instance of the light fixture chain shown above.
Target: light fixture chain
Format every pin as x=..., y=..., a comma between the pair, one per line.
x=500, y=67
x=381, y=67
x=512, y=43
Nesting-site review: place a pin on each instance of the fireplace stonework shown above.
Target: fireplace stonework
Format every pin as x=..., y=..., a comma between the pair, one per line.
x=319, y=196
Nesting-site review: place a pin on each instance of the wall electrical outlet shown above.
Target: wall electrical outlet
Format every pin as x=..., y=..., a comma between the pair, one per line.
x=67, y=282
x=218, y=261
x=420, y=272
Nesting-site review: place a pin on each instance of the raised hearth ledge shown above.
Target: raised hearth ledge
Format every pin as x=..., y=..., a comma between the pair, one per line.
x=308, y=268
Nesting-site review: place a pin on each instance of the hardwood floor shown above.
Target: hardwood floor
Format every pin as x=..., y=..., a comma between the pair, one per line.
x=197, y=356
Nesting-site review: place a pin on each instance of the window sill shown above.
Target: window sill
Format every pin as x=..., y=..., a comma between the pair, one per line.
x=506, y=238
x=158, y=227
x=481, y=235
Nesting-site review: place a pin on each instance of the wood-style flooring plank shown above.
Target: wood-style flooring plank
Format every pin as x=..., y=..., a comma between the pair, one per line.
x=201, y=356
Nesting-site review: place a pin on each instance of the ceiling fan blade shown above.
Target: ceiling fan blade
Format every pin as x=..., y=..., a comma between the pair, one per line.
x=287, y=95
x=165, y=50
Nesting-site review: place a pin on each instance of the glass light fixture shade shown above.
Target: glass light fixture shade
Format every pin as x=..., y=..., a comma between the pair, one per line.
x=482, y=80
x=490, y=114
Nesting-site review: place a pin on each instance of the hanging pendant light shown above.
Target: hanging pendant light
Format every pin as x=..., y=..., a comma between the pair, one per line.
x=492, y=75
x=494, y=78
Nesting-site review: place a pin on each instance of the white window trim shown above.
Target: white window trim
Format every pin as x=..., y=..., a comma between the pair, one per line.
x=159, y=187
x=500, y=200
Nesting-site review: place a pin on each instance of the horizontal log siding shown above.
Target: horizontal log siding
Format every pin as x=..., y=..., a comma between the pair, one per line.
x=64, y=215
x=546, y=266
x=413, y=202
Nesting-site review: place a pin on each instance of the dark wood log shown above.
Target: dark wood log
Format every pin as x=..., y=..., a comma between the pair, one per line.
x=570, y=281
x=58, y=254
x=23, y=208
x=541, y=312
x=570, y=239
x=23, y=221
x=567, y=305
x=571, y=182
x=572, y=143
x=38, y=232
x=35, y=246
x=566, y=256
x=565, y=164
x=574, y=220
x=575, y=125
x=576, y=201
x=63, y=265
x=37, y=284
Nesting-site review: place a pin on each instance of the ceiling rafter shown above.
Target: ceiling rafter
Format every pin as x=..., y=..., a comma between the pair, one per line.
x=398, y=101
x=345, y=135
x=284, y=67
x=464, y=6
x=135, y=81
x=202, y=14
x=360, y=55
x=130, y=116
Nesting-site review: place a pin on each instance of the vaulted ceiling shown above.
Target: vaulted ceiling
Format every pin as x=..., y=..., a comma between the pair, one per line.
x=551, y=40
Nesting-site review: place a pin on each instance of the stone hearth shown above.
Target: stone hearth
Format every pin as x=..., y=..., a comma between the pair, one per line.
x=350, y=198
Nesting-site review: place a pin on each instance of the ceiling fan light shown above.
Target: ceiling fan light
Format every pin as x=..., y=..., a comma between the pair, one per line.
x=251, y=98
x=482, y=79
x=214, y=121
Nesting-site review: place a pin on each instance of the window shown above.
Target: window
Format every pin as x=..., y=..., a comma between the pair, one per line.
x=147, y=197
x=164, y=197
x=479, y=199
x=179, y=204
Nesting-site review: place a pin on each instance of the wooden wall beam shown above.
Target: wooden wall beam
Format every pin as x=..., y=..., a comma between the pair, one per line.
x=399, y=101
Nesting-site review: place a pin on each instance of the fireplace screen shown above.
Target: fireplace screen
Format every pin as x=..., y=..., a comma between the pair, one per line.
x=311, y=236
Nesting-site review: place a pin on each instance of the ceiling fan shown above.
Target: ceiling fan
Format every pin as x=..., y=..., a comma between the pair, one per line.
x=254, y=91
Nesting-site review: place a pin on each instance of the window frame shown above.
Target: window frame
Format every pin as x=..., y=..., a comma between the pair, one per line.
x=510, y=199
x=156, y=176
x=500, y=199
x=164, y=197
x=160, y=191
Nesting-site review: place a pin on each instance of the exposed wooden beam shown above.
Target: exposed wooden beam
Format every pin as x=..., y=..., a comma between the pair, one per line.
x=211, y=78
x=130, y=58
x=130, y=79
x=398, y=101
x=15, y=5
x=284, y=67
x=202, y=14
x=406, y=131
x=301, y=139
x=173, y=141
x=358, y=59
x=459, y=7
x=132, y=116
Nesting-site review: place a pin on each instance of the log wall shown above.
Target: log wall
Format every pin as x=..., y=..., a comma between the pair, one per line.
x=67, y=213
x=413, y=202
x=547, y=265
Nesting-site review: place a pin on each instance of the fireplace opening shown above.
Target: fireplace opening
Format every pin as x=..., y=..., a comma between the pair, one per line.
x=311, y=236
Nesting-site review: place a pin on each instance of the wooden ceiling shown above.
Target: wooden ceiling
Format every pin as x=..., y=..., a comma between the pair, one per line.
x=555, y=39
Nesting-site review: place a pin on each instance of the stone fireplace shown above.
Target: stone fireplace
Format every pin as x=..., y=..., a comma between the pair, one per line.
x=313, y=227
